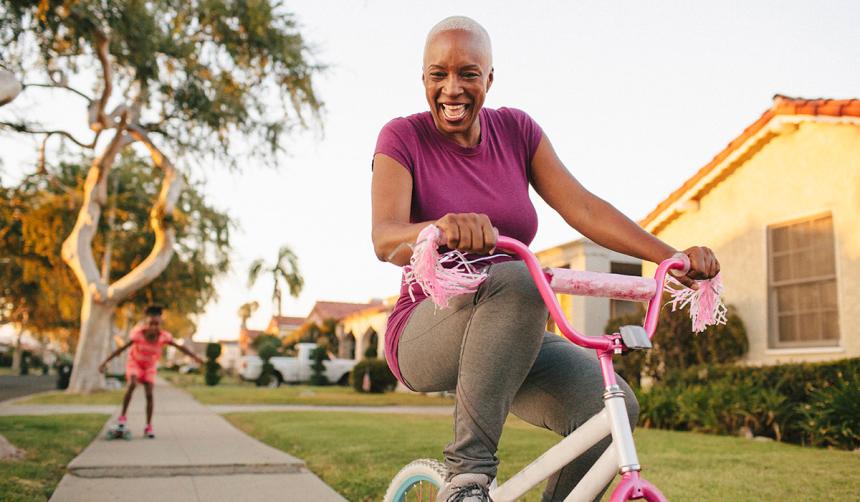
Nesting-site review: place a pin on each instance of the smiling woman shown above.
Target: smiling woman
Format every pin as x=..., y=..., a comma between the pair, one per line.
x=467, y=170
x=458, y=72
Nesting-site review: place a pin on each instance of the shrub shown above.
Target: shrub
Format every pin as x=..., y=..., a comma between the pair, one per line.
x=677, y=347
x=318, y=355
x=266, y=352
x=832, y=415
x=213, y=369
x=64, y=373
x=381, y=378
x=25, y=363
x=808, y=403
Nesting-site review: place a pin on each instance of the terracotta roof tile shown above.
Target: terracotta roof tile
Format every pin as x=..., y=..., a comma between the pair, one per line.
x=782, y=105
x=337, y=310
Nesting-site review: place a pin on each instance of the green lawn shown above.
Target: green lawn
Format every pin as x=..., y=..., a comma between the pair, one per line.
x=305, y=394
x=60, y=397
x=232, y=393
x=357, y=454
x=50, y=443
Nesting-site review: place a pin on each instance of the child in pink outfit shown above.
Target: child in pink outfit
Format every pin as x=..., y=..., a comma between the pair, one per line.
x=146, y=342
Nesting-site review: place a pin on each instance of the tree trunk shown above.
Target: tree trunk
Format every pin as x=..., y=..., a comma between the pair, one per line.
x=95, y=335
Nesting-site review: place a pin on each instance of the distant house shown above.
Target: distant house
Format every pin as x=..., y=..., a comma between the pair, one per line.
x=363, y=329
x=589, y=315
x=335, y=310
x=348, y=342
x=780, y=206
x=284, y=326
x=246, y=339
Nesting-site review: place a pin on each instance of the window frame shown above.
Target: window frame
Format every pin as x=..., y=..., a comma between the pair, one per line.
x=774, y=341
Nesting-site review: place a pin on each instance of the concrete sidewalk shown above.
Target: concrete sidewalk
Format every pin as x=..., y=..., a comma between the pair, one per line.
x=195, y=456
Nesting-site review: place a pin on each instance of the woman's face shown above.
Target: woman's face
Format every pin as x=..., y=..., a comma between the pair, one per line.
x=457, y=75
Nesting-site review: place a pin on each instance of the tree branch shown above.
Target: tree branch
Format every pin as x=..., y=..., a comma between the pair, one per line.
x=23, y=128
x=77, y=249
x=160, y=219
x=59, y=86
x=98, y=119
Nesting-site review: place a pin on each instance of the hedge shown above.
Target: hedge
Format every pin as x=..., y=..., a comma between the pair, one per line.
x=810, y=403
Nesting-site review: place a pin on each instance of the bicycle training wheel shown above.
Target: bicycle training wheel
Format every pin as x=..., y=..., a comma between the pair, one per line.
x=420, y=481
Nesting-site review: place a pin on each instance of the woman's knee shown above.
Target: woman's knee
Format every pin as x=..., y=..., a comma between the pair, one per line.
x=513, y=282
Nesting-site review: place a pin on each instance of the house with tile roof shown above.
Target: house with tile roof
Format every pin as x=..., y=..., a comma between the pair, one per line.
x=780, y=207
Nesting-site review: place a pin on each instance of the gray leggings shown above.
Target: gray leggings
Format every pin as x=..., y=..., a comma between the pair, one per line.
x=493, y=348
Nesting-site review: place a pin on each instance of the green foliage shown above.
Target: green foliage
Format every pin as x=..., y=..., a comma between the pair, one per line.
x=381, y=378
x=206, y=73
x=213, y=350
x=36, y=216
x=832, y=415
x=817, y=404
x=318, y=355
x=285, y=269
x=265, y=339
x=267, y=351
x=213, y=369
x=64, y=372
x=677, y=347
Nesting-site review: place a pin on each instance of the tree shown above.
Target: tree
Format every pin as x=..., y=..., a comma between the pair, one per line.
x=285, y=268
x=184, y=80
x=34, y=217
x=246, y=310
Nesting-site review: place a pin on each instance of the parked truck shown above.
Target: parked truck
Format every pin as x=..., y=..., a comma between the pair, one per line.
x=296, y=369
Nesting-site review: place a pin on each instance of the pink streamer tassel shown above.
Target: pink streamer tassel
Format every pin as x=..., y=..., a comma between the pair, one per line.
x=705, y=303
x=427, y=268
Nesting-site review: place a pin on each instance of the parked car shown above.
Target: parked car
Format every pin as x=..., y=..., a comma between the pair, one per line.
x=296, y=369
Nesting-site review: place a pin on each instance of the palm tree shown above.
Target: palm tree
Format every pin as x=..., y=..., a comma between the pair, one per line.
x=285, y=269
x=246, y=311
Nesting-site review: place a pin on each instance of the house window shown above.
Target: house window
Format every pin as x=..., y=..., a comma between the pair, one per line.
x=802, y=284
x=620, y=307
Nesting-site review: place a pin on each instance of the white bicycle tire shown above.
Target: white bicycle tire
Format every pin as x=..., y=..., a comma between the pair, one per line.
x=421, y=470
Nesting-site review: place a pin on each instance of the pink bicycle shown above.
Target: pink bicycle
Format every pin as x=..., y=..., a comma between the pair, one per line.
x=422, y=479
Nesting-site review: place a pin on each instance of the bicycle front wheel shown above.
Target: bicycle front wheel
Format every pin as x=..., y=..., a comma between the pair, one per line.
x=420, y=481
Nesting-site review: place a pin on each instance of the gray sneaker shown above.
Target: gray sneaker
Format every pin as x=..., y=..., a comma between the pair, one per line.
x=466, y=488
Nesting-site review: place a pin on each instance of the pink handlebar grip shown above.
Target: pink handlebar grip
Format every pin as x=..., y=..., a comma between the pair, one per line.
x=615, y=286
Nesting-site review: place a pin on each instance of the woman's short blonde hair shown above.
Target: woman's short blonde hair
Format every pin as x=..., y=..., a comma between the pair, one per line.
x=461, y=23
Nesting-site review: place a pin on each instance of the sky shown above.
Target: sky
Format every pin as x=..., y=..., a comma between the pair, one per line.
x=635, y=97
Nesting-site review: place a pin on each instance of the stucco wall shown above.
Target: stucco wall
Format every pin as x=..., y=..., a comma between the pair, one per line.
x=811, y=170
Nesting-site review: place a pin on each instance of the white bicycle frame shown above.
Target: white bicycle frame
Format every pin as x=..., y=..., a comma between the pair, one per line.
x=620, y=456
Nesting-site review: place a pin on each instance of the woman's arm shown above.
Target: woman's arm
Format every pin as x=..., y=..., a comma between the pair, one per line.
x=115, y=353
x=391, y=201
x=601, y=222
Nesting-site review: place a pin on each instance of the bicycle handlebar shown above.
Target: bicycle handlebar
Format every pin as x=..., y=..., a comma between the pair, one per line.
x=542, y=279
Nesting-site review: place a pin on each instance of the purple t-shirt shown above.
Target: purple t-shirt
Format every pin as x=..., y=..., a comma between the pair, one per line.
x=491, y=178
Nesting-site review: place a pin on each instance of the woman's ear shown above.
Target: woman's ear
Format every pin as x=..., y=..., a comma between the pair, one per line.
x=490, y=78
